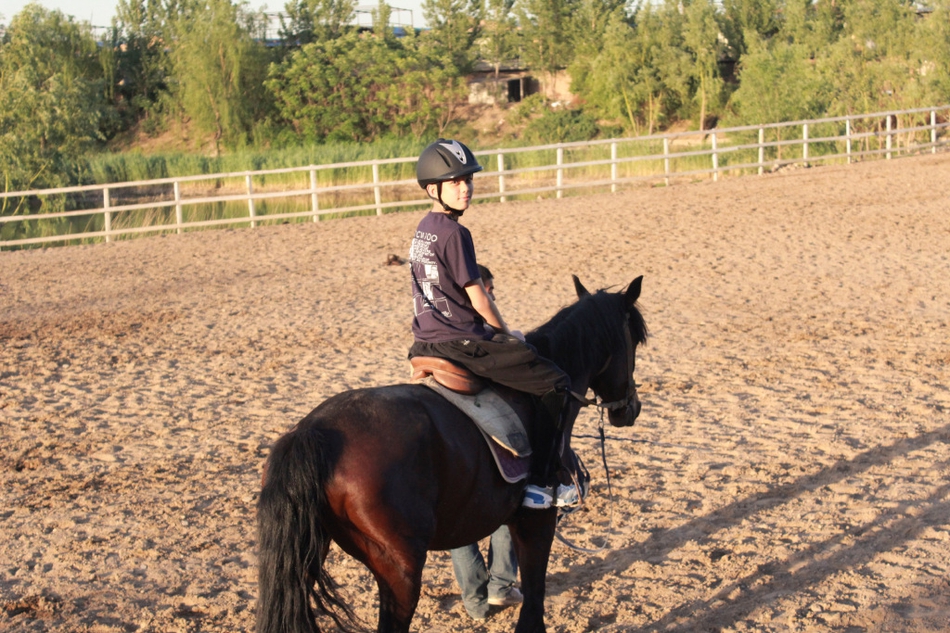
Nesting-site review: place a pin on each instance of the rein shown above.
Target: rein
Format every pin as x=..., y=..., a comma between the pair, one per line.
x=610, y=492
x=605, y=406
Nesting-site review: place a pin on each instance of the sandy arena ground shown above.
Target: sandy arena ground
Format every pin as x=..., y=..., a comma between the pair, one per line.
x=789, y=471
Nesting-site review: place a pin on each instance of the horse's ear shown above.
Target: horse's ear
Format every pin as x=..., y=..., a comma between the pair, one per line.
x=579, y=287
x=633, y=292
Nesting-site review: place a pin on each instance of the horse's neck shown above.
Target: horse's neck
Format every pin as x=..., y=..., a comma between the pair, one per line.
x=580, y=376
x=563, y=341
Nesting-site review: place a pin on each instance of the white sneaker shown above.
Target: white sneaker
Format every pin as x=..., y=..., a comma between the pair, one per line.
x=511, y=596
x=537, y=498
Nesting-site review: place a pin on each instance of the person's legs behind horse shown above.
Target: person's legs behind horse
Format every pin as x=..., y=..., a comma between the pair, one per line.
x=472, y=576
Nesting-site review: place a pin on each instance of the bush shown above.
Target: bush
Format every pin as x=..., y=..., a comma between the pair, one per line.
x=527, y=109
x=561, y=126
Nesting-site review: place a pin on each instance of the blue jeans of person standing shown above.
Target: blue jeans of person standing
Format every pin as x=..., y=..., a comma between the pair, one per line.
x=478, y=581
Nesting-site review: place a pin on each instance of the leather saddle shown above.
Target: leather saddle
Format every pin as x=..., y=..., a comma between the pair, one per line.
x=448, y=374
x=498, y=419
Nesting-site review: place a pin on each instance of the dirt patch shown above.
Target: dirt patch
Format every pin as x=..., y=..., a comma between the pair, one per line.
x=788, y=472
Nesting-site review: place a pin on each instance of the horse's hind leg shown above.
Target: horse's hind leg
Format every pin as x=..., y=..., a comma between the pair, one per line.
x=399, y=591
x=397, y=566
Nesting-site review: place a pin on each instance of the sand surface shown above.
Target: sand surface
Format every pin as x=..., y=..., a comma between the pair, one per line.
x=789, y=471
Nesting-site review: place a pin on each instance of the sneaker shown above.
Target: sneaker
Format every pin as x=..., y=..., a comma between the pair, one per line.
x=510, y=597
x=567, y=496
x=537, y=498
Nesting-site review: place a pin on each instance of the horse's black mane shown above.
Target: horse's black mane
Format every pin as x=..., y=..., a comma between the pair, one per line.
x=580, y=331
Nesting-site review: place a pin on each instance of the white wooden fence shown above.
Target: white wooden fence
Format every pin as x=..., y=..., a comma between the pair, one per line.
x=690, y=155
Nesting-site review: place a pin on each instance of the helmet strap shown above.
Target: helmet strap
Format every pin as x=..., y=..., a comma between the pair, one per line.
x=447, y=208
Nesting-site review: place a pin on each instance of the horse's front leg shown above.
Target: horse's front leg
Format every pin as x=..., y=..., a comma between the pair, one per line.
x=532, y=532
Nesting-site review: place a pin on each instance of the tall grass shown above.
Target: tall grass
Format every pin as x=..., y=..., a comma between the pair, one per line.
x=133, y=166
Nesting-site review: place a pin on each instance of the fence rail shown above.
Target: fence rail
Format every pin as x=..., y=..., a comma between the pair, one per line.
x=109, y=211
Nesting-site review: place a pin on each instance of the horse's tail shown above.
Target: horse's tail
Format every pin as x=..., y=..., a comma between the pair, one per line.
x=293, y=585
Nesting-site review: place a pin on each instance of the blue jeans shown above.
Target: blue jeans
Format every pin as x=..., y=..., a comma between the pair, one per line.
x=477, y=581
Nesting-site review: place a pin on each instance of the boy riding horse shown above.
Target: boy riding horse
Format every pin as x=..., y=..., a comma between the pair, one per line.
x=452, y=310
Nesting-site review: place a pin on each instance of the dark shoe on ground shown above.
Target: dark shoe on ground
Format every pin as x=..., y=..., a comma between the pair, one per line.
x=480, y=614
x=511, y=596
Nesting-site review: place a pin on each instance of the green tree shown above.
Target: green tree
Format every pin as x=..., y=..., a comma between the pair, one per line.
x=701, y=40
x=812, y=25
x=382, y=15
x=673, y=64
x=588, y=32
x=562, y=125
x=777, y=82
x=749, y=19
x=650, y=50
x=51, y=99
x=588, y=24
x=622, y=83
x=875, y=63
x=602, y=76
x=934, y=44
x=544, y=24
x=427, y=95
x=305, y=21
x=315, y=89
x=362, y=88
x=499, y=42
x=141, y=62
x=778, y=79
x=219, y=69
x=454, y=26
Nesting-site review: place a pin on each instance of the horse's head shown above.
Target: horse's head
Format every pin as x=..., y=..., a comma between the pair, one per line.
x=614, y=384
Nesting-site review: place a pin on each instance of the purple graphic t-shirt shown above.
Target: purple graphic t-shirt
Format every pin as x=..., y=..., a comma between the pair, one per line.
x=442, y=259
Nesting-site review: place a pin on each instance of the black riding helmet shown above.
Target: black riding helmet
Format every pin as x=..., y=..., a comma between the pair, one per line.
x=445, y=160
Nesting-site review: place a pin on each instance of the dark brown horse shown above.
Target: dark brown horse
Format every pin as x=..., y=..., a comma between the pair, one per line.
x=390, y=473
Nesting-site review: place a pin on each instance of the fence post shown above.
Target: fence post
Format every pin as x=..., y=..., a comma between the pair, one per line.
x=613, y=167
x=501, y=178
x=250, y=200
x=847, y=133
x=178, y=214
x=108, y=214
x=314, y=204
x=887, y=137
x=377, y=192
x=805, y=144
x=560, y=170
x=666, y=160
x=715, y=159
x=761, y=150
x=933, y=131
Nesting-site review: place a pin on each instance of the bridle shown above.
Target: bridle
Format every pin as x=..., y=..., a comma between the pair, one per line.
x=631, y=396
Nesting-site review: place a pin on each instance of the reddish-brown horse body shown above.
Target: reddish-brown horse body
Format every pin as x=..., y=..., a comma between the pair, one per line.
x=390, y=473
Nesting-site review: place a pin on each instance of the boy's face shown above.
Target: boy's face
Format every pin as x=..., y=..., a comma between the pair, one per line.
x=457, y=194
